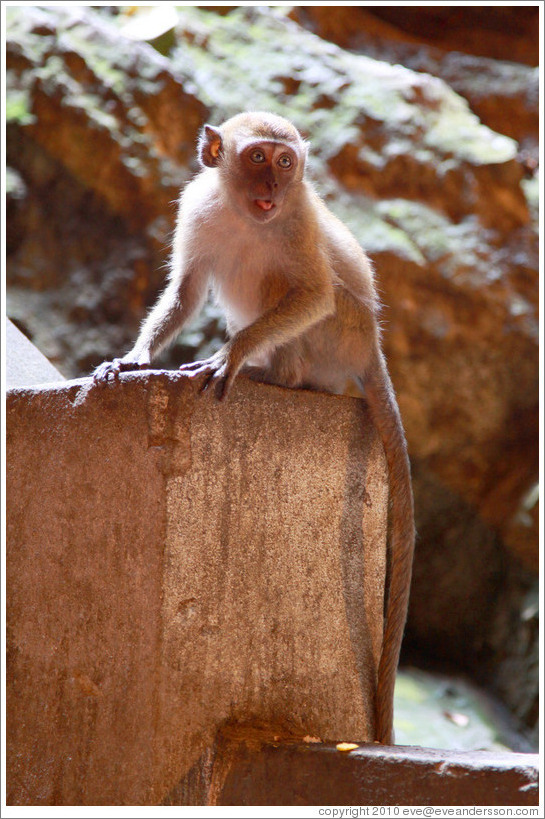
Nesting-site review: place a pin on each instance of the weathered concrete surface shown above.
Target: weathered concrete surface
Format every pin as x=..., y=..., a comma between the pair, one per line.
x=25, y=364
x=246, y=770
x=175, y=564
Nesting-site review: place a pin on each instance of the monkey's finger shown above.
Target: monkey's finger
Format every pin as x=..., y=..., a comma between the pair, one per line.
x=223, y=387
x=212, y=376
x=188, y=368
x=193, y=366
x=204, y=370
x=104, y=371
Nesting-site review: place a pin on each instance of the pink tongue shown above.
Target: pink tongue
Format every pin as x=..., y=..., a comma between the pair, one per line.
x=263, y=204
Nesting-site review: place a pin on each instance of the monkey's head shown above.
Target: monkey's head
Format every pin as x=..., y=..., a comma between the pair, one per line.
x=260, y=158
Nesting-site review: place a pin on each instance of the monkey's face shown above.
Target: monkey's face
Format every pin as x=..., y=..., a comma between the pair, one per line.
x=263, y=174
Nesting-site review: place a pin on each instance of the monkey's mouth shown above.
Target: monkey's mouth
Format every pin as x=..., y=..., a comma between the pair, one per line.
x=264, y=204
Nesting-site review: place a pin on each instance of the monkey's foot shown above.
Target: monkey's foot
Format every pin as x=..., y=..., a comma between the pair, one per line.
x=216, y=370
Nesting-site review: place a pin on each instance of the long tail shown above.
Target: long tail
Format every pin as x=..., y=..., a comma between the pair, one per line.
x=385, y=414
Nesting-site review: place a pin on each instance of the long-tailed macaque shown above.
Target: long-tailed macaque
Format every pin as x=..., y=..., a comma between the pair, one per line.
x=301, y=309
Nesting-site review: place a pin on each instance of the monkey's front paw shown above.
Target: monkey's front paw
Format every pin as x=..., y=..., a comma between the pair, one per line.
x=109, y=370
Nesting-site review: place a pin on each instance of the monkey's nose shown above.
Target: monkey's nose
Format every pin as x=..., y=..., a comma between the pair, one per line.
x=272, y=184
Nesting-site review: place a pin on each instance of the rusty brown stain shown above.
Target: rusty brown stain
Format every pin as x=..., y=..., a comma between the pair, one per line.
x=169, y=424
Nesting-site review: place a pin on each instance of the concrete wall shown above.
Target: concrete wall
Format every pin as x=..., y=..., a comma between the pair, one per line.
x=245, y=768
x=175, y=565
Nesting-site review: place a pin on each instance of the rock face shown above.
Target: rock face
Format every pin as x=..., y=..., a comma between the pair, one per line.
x=504, y=94
x=98, y=143
x=101, y=139
x=176, y=564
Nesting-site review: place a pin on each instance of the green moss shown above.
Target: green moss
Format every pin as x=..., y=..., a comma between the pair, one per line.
x=101, y=65
x=251, y=57
x=427, y=229
x=256, y=58
x=92, y=105
x=454, y=129
x=458, y=251
x=18, y=106
x=375, y=233
x=19, y=24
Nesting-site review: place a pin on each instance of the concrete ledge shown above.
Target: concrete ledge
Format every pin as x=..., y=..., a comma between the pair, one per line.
x=244, y=770
x=175, y=563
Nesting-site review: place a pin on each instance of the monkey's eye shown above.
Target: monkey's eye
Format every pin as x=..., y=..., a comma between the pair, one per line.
x=257, y=157
x=285, y=161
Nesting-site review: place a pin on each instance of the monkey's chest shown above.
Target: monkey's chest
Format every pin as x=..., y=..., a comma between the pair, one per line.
x=246, y=283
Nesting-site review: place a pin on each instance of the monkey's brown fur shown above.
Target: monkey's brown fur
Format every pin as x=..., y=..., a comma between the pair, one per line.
x=301, y=308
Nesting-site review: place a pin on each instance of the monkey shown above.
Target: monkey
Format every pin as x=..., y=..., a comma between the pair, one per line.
x=301, y=307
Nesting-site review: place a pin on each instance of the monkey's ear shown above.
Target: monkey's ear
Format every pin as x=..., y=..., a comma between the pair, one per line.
x=210, y=146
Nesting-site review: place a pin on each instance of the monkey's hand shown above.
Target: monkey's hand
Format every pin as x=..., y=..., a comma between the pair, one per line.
x=111, y=369
x=220, y=370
